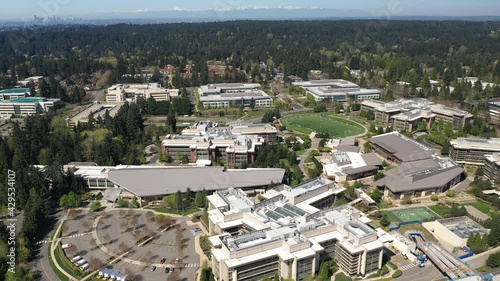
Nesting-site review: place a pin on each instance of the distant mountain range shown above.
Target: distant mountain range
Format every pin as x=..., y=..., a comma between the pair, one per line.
x=229, y=14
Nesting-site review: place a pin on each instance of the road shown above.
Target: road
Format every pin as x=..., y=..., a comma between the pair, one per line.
x=40, y=263
x=97, y=95
x=428, y=273
x=422, y=139
x=480, y=259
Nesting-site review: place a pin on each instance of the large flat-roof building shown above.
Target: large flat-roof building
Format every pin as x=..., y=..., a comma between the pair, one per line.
x=152, y=183
x=420, y=178
x=406, y=114
x=399, y=148
x=229, y=145
x=338, y=90
x=95, y=110
x=233, y=95
x=472, y=151
x=161, y=181
x=285, y=235
x=27, y=106
x=346, y=166
x=120, y=93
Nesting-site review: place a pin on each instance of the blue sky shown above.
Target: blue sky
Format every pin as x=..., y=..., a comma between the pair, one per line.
x=26, y=8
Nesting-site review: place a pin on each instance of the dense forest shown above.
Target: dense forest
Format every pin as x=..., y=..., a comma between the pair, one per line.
x=403, y=49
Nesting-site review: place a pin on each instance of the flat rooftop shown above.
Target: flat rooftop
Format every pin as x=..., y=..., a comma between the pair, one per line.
x=334, y=83
x=14, y=91
x=492, y=144
x=402, y=147
x=463, y=227
x=96, y=110
x=168, y=180
x=420, y=175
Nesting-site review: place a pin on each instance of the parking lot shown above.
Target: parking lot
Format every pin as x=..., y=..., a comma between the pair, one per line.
x=121, y=232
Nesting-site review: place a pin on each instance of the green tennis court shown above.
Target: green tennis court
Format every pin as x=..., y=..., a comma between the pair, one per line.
x=414, y=214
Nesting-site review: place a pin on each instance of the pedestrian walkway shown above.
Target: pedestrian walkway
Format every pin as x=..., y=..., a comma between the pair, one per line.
x=408, y=266
x=76, y=235
x=191, y=265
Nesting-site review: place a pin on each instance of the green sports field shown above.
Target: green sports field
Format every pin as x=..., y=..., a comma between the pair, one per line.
x=335, y=127
x=413, y=214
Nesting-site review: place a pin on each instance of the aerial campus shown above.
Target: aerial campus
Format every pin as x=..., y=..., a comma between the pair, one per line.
x=156, y=152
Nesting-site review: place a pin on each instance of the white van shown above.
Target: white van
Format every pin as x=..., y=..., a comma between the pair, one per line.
x=81, y=262
x=77, y=258
x=85, y=266
x=66, y=246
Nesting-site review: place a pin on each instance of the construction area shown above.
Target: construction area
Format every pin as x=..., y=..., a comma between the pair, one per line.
x=445, y=261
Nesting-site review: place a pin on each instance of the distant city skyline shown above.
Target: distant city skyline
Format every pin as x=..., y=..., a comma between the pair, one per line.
x=24, y=10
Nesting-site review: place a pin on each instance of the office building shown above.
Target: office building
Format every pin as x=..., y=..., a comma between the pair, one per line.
x=420, y=178
x=95, y=111
x=131, y=92
x=151, y=183
x=28, y=106
x=233, y=95
x=346, y=166
x=337, y=90
x=15, y=93
x=494, y=112
x=286, y=235
x=398, y=148
x=472, y=151
x=205, y=143
x=407, y=114
x=492, y=167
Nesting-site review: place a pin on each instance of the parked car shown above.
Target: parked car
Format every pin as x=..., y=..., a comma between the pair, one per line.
x=153, y=268
x=167, y=269
x=176, y=260
x=66, y=246
x=162, y=261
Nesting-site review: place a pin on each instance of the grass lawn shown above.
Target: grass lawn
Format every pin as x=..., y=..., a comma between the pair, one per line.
x=481, y=206
x=441, y=210
x=391, y=217
x=322, y=123
x=300, y=152
x=66, y=264
x=484, y=269
x=417, y=227
x=59, y=274
x=177, y=212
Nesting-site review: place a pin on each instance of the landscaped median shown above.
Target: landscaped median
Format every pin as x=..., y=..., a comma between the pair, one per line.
x=66, y=264
x=59, y=274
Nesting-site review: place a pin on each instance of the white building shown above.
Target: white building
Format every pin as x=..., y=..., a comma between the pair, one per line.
x=131, y=92
x=287, y=235
x=337, y=90
x=27, y=106
x=233, y=95
x=15, y=93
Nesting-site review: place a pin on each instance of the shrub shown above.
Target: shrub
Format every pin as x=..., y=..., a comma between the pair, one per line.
x=434, y=197
x=397, y=274
x=450, y=193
